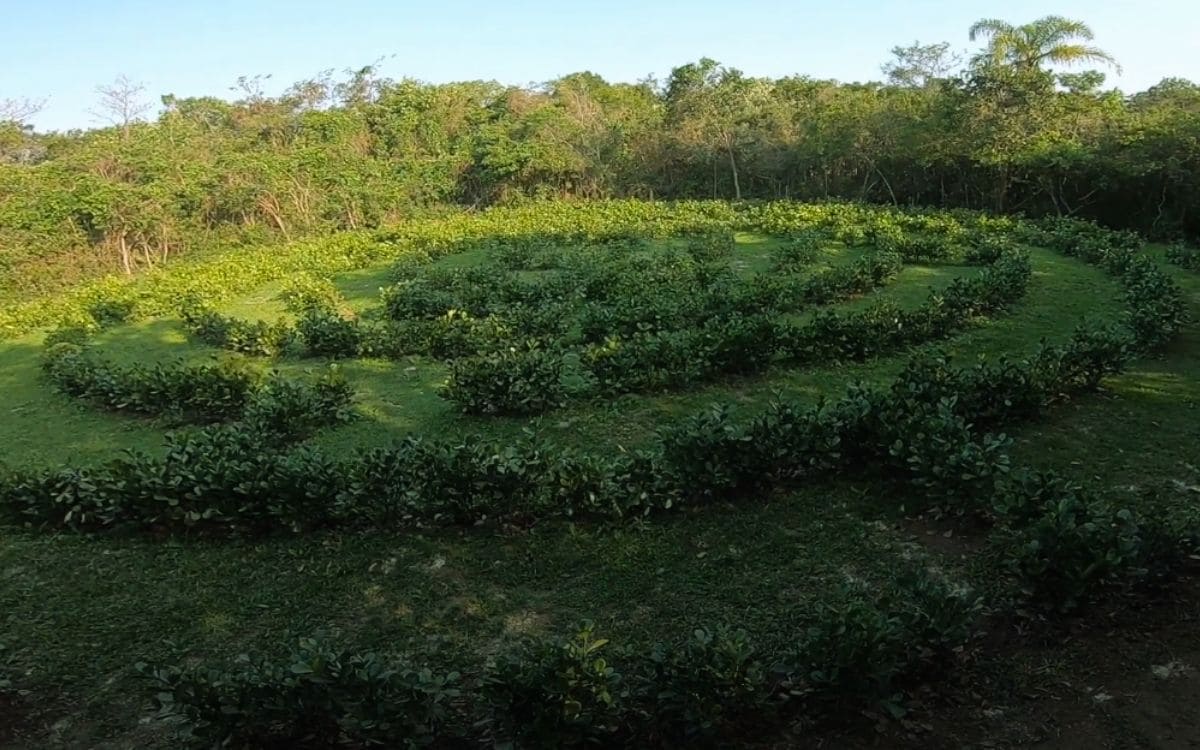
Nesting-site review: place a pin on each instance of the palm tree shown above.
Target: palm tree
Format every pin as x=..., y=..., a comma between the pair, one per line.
x=1053, y=39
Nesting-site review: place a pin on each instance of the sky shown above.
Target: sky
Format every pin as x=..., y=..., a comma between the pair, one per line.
x=60, y=50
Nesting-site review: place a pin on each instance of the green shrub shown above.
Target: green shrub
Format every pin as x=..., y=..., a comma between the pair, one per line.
x=1069, y=544
x=1184, y=256
x=512, y=381
x=325, y=333
x=797, y=252
x=112, y=312
x=863, y=644
x=201, y=393
x=712, y=247
x=320, y=697
x=291, y=410
x=709, y=455
x=713, y=684
x=304, y=293
x=417, y=298
x=561, y=693
x=257, y=338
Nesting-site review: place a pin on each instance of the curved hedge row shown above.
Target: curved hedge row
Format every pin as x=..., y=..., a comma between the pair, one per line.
x=233, y=478
x=422, y=481
x=931, y=431
x=861, y=644
x=227, y=391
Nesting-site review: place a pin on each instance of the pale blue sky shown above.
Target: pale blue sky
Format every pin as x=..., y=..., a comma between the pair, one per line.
x=61, y=49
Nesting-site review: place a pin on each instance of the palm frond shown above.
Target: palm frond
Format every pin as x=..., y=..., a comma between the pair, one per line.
x=1072, y=54
x=989, y=27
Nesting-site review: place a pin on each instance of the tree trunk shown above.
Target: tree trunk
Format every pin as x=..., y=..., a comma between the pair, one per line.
x=737, y=188
x=125, y=261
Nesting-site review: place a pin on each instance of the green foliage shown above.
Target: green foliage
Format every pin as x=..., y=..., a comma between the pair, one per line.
x=511, y=381
x=711, y=685
x=201, y=393
x=321, y=697
x=1184, y=256
x=111, y=312
x=305, y=293
x=557, y=693
x=864, y=643
x=325, y=333
x=1069, y=544
x=255, y=338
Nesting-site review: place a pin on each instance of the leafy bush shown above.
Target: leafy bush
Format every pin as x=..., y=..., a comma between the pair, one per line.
x=1068, y=544
x=713, y=684
x=512, y=381
x=797, y=252
x=560, y=693
x=321, y=697
x=202, y=393
x=112, y=312
x=1184, y=256
x=417, y=298
x=713, y=247
x=258, y=338
x=326, y=333
x=708, y=455
x=864, y=643
x=304, y=293
x=290, y=410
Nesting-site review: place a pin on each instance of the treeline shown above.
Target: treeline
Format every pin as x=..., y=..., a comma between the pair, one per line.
x=1002, y=132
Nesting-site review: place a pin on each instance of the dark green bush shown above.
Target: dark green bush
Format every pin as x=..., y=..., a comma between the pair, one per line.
x=111, y=312
x=864, y=643
x=712, y=685
x=202, y=393
x=511, y=381
x=1068, y=544
x=1184, y=256
x=321, y=697
x=558, y=693
x=325, y=333
x=797, y=252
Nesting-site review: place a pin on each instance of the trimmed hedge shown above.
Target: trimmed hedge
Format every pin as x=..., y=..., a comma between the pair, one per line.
x=707, y=689
x=220, y=392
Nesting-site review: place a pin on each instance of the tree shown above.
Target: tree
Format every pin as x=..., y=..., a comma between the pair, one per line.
x=712, y=107
x=121, y=103
x=918, y=65
x=17, y=111
x=1053, y=40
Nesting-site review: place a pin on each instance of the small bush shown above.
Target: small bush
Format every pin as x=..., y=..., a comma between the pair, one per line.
x=562, y=693
x=320, y=697
x=512, y=381
x=304, y=293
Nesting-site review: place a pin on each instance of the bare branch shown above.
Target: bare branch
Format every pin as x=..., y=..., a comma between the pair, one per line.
x=20, y=110
x=121, y=103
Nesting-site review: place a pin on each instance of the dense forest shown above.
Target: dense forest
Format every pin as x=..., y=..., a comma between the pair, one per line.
x=1005, y=130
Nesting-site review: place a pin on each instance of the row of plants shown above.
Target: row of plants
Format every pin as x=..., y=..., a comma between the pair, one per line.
x=412, y=245
x=931, y=432
x=225, y=391
x=158, y=291
x=422, y=481
x=863, y=643
x=861, y=646
x=1184, y=256
x=234, y=479
x=526, y=380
